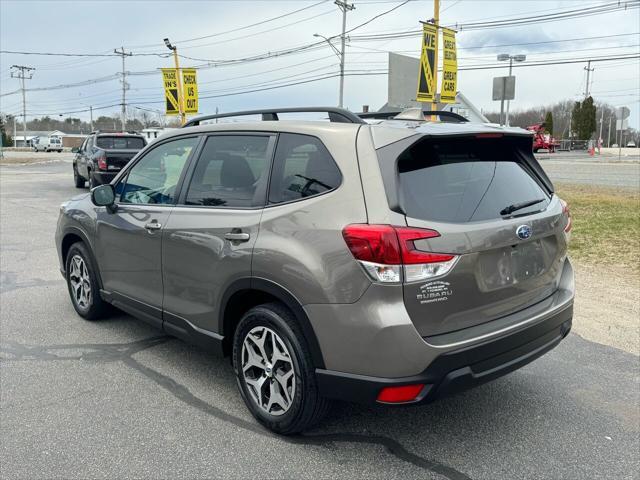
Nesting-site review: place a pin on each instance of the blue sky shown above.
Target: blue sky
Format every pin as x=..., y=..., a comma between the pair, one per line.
x=101, y=26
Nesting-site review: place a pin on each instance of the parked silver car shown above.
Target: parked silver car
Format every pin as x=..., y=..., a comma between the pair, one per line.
x=393, y=261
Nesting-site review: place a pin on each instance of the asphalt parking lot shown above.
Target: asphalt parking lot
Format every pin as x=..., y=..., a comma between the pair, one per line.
x=578, y=167
x=117, y=399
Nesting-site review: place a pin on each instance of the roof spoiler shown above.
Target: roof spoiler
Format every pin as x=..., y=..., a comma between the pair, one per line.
x=415, y=114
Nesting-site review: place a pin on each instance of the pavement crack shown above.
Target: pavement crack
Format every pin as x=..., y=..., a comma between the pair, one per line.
x=123, y=352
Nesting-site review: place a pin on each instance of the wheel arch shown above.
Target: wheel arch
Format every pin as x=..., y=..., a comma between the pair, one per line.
x=73, y=235
x=247, y=293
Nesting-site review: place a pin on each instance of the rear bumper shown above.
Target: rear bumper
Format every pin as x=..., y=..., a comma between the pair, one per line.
x=459, y=369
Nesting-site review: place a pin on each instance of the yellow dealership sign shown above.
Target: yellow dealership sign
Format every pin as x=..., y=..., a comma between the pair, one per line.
x=448, y=87
x=427, y=76
x=190, y=89
x=170, y=78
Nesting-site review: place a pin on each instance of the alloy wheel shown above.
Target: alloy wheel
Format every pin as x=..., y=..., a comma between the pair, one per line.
x=80, y=282
x=267, y=370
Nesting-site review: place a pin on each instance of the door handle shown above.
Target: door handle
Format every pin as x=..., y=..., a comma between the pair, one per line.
x=237, y=236
x=153, y=225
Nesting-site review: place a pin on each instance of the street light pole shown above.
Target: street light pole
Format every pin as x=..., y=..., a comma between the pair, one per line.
x=506, y=120
x=183, y=117
x=344, y=6
x=512, y=58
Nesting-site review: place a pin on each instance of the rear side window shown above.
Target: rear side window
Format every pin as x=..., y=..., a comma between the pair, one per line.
x=120, y=143
x=465, y=180
x=302, y=168
x=229, y=171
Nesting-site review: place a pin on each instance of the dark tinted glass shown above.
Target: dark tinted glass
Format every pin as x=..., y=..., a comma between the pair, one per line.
x=465, y=180
x=153, y=180
x=229, y=171
x=120, y=143
x=303, y=167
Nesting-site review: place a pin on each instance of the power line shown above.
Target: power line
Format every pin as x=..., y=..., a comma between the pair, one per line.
x=238, y=28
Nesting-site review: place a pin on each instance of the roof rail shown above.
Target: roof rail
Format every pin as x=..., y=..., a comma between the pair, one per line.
x=445, y=116
x=339, y=115
x=115, y=131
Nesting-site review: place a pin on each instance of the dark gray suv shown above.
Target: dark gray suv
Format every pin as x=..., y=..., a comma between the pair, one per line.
x=389, y=261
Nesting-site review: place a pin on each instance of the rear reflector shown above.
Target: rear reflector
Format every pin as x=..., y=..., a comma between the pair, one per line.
x=404, y=393
x=383, y=249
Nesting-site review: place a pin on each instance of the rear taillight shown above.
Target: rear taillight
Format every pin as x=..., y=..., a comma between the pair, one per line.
x=567, y=213
x=386, y=252
x=102, y=161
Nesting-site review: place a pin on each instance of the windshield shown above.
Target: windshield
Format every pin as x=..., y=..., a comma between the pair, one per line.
x=465, y=180
x=120, y=143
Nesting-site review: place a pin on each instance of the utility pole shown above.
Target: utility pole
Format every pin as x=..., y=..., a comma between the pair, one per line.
x=91, y=118
x=436, y=22
x=345, y=7
x=609, y=133
x=183, y=116
x=589, y=70
x=123, y=118
x=23, y=73
x=570, y=118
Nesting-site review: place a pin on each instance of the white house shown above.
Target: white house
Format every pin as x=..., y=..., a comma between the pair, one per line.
x=151, y=133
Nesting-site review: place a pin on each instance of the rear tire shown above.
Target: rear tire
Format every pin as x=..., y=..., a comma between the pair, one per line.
x=92, y=182
x=82, y=283
x=274, y=370
x=77, y=179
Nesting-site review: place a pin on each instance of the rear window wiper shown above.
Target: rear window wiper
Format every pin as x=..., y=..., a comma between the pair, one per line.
x=519, y=206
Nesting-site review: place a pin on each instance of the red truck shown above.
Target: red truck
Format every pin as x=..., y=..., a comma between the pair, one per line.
x=542, y=139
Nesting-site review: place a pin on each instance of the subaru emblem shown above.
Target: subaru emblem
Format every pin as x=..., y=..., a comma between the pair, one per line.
x=523, y=232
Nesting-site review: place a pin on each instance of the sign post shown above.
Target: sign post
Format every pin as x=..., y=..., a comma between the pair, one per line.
x=622, y=113
x=504, y=88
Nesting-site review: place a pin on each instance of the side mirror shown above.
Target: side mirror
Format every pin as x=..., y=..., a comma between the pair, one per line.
x=75, y=150
x=104, y=196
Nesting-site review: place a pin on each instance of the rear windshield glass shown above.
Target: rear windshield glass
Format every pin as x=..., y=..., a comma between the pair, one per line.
x=120, y=143
x=464, y=180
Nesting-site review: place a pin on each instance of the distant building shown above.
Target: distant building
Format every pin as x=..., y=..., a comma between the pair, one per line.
x=152, y=133
x=69, y=140
x=19, y=138
x=402, y=89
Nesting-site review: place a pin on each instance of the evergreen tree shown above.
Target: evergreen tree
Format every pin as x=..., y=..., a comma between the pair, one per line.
x=7, y=141
x=548, y=122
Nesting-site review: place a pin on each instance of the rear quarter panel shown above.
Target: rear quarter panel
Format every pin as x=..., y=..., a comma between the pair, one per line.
x=300, y=244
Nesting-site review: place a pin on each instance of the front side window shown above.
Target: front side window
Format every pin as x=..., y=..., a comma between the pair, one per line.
x=229, y=172
x=153, y=180
x=302, y=168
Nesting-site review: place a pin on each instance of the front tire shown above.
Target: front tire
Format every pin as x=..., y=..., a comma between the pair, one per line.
x=82, y=283
x=274, y=370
